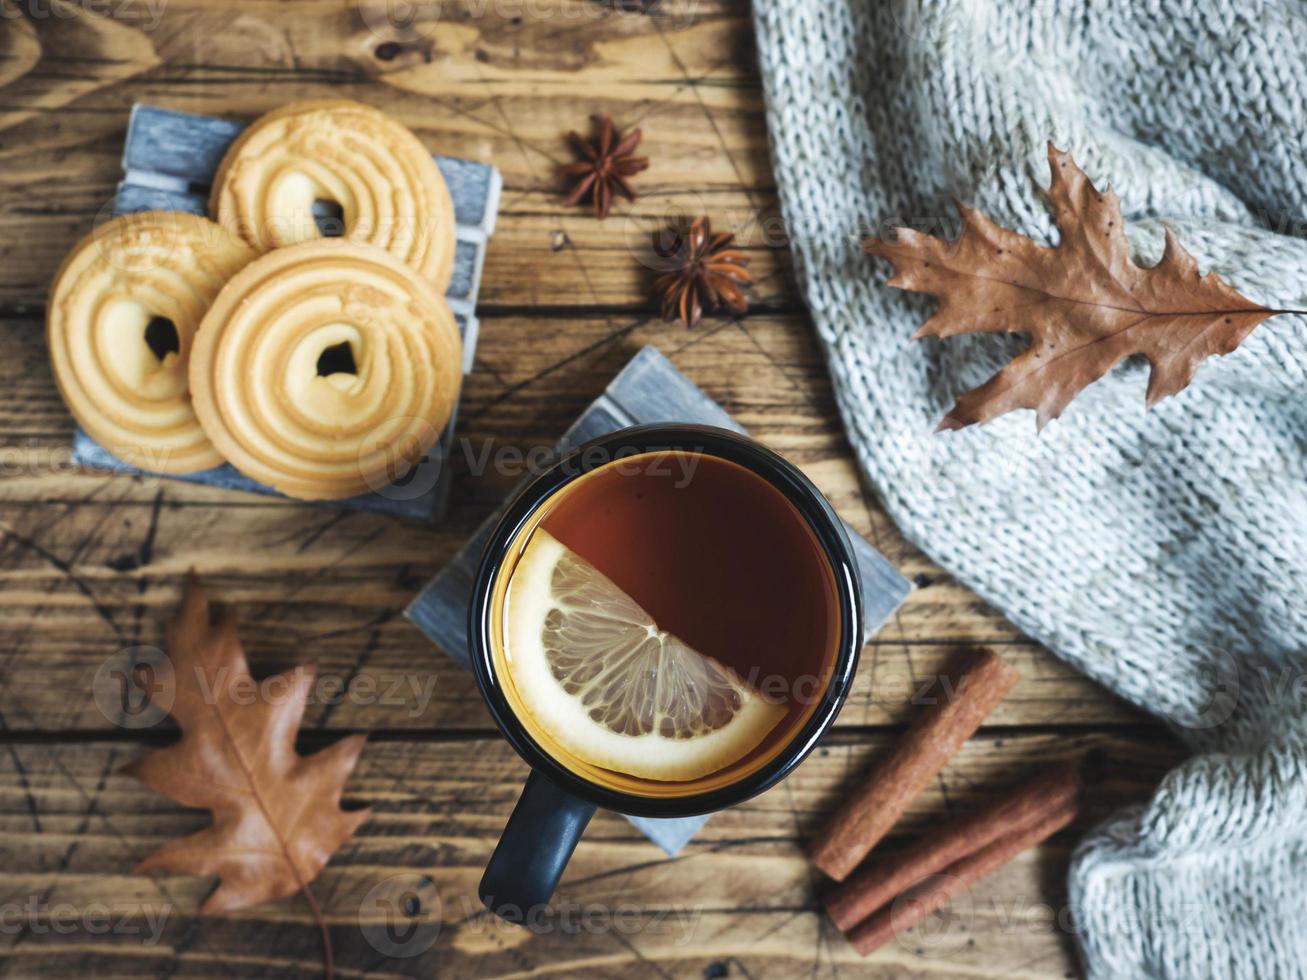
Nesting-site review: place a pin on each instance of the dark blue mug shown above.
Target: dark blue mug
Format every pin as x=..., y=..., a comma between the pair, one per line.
x=557, y=801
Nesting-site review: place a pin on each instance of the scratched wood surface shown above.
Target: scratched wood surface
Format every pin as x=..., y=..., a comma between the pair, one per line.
x=91, y=563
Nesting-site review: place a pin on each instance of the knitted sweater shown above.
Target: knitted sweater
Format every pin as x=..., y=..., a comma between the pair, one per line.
x=1163, y=553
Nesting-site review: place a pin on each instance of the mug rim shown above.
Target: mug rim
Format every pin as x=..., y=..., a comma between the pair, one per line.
x=762, y=462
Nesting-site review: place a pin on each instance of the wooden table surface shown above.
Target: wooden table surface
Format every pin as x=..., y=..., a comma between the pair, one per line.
x=92, y=563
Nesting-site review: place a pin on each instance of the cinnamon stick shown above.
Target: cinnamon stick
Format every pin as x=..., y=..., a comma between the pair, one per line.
x=1015, y=811
x=935, y=893
x=932, y=740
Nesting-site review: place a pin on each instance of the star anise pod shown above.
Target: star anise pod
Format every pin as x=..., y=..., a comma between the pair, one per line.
x=704, y=272
x=606, y=166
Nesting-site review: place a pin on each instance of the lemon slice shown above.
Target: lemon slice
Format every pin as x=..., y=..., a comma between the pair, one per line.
x=597, y=674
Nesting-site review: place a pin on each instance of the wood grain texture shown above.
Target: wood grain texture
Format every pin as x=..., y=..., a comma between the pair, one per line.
x=741, y=893
x=91, y=564
x=471, y=83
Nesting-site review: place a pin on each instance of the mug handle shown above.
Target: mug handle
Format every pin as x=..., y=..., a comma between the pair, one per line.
x=533, y=850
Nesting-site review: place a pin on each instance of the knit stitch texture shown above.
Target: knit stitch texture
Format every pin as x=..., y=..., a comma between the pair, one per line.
x=1163, y=553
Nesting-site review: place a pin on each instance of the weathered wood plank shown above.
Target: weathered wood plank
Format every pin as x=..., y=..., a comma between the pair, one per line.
x=75, y=540
x=741, y=894
x=72, y=534
x=99, y=543
x=61, y=629
x=385, y=676
x=533, y=376
x=476, y=85
x=535, y=373
x=82, y=581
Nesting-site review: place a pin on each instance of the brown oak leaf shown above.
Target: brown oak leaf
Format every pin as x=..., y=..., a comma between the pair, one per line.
x=276, y=814
x=1085, y=305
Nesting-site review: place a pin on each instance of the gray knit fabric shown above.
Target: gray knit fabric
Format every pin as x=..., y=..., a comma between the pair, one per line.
x=1163, y=553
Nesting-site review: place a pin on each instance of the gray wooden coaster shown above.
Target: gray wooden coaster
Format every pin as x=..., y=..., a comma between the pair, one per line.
x=649, y=389
x=168, y=162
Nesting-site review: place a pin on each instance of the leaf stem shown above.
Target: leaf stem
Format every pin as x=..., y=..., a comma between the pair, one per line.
x=328, y=960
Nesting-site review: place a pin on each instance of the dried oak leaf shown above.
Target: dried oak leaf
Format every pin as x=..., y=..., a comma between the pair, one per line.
x=1084, y=303
x=276, y=814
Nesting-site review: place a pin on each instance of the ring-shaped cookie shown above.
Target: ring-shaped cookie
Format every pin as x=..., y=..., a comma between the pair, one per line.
x=120, y=326
x=326, y=369
x=389, y=191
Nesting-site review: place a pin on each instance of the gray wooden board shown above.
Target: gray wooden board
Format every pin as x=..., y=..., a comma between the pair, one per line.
x=649, y=389
x=168, y=161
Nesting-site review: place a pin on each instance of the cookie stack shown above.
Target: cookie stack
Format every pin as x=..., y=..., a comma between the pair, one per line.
x=324, y=367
